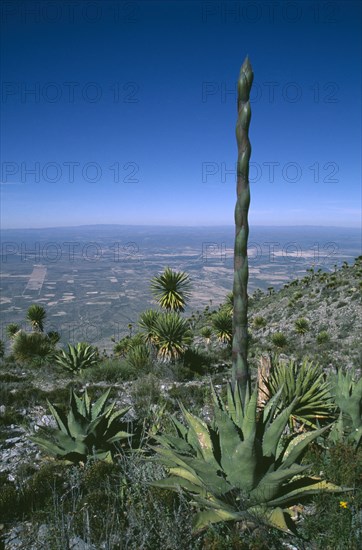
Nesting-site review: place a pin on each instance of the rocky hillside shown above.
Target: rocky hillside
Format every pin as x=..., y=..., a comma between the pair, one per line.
x=329, y=305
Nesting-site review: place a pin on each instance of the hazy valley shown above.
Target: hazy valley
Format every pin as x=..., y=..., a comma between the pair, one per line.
x=94, y=280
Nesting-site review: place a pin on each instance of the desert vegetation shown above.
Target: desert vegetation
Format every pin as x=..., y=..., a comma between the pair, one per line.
x=181, y=438
x=78, y=428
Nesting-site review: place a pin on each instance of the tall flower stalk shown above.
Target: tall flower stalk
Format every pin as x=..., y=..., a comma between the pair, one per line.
x=240, y=369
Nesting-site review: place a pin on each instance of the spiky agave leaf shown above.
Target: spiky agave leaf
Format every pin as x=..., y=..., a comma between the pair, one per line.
x=347, y=393
x=242, y=465
x=77, y=357
x=88, y=429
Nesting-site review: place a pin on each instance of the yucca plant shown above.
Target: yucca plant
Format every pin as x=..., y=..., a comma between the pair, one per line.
x=35, y=316
x=88, y=430
x=172, y=336
x=32, y=347
x=139, y=357
x=126, y=344
x=206, y=332
x=11, y=330
x=259, y=322
x=53, y=336
x=240, y=467
x=147, y=321
x=279, y=340
x=222, y=323
x=307, y=383
x=171, y=289
x=347, y=393
x=77, y=357
x=322, y=337
x=228, y=304
x=301, y=326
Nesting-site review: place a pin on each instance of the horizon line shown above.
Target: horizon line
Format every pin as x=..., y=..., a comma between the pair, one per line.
x=177, y=226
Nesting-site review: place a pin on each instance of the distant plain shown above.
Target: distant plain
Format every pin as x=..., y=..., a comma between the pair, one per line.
x=94, y=280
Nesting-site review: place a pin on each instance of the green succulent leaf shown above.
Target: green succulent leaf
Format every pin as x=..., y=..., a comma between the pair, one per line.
x=242, y=466
x=87, y=430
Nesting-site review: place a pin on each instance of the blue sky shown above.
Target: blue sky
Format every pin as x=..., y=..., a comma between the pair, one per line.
x=125, y=112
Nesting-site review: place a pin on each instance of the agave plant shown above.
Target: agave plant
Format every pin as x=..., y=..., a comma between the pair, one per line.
x=240, y=467
x=171, y=289
x=307, y=383
x=347, y=393
x=172, y=336
x=89, y=429
x=36, y=316
x=77, y=357
x=222, y=323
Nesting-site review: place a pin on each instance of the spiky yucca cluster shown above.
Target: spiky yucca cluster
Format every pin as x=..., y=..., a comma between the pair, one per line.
x=171, y=336
x=171, y=289
x=306, y=382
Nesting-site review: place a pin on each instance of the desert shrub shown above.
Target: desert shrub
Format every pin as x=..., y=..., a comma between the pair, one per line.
x=127, y=343
x=117, y=508
x=334, y=524
x=9, y=499
x=110, y=370
x=197, y=361
x=139, y=358
x=192, y=396
x=279, y=340
x=146, y=391
x=323, y=337
x=259, y=322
